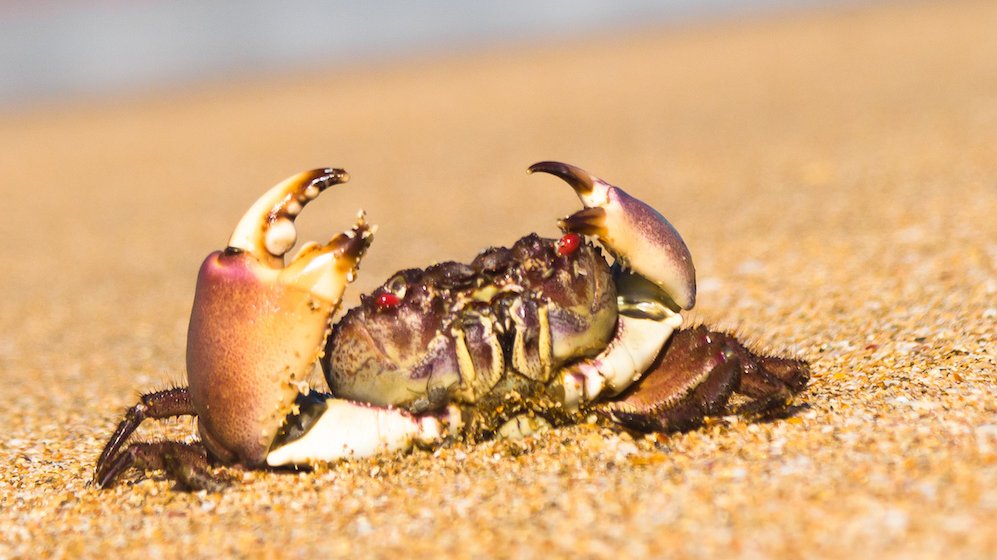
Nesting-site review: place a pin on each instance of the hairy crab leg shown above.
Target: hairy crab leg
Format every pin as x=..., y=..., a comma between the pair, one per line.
x=161, y=404
x=187, y=463
x=695, y=377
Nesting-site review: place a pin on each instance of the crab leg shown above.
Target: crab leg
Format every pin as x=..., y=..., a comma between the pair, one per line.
x=161, y=404
x=187, y=463
x=256, y=330
x=695, y=377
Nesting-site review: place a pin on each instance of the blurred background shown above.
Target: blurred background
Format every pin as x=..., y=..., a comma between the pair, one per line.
x=55, y=50
x=155, y=113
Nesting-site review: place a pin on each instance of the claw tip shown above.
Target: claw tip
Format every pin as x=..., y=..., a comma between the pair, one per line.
x=578, y=178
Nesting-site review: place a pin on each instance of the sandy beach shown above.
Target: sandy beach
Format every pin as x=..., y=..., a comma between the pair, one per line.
x=834, y=173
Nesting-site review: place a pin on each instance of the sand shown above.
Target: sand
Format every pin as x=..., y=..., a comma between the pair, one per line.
x=833, y=172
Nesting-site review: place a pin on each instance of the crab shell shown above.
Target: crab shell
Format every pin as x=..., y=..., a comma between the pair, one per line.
x=453, y=330
x=455, y=333
x=257, y=327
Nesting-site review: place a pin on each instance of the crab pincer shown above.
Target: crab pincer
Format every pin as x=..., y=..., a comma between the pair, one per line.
x=258, y=326
x=636, y=234
x=660, y=378
x=256, y=329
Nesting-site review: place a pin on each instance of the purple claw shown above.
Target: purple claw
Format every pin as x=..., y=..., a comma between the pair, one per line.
x=637, y=235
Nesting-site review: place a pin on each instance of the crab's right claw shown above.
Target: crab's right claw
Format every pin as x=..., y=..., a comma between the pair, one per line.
x=258, y=326
x=637, y=235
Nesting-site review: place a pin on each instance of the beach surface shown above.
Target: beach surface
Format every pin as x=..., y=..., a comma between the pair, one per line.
x=834, y=173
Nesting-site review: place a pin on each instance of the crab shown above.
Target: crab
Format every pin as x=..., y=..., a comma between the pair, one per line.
x=546, y=332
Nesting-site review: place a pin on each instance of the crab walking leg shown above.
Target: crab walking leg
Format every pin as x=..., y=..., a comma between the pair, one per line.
x=348, y=429
x=695, y=378
x=188, y=463
x=160, y=404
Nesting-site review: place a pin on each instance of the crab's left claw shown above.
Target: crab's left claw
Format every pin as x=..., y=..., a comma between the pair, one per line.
x=637, y=235
x=258, y=326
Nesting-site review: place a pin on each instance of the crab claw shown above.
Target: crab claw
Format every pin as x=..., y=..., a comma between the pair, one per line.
x=637, y=235
x=258, y=326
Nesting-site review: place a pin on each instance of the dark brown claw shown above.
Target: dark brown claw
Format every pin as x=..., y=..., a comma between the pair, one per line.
x=695, y=377
x=578, y=178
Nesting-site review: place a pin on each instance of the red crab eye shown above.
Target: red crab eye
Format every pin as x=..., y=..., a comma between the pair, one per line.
x=387, y=300
x=568, y=244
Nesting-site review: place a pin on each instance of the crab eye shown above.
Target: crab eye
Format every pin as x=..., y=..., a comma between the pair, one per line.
x=569, y=244
x=387, y=300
